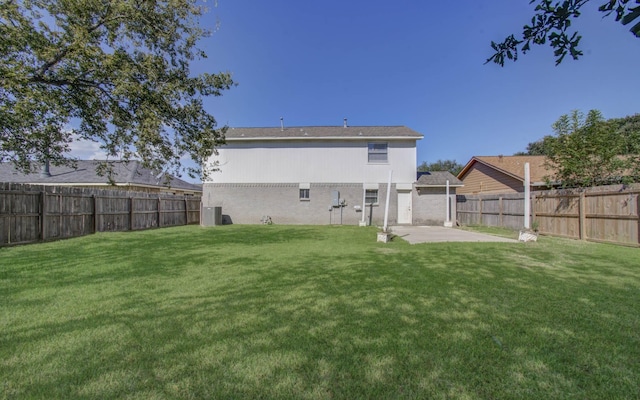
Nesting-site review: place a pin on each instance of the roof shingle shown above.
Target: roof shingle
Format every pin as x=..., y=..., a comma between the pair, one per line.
x=438, y=178
x=131, y=173
x=315, y=132
x=514, y=166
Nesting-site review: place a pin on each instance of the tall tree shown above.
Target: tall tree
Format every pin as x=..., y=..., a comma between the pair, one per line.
x=112, y=71
x=586, y=152
x=628, y=128
x=552, y=22
x=441, y=165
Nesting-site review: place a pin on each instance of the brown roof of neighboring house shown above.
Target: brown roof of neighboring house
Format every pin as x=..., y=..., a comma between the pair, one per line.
x=321, y=132
x=512, y=166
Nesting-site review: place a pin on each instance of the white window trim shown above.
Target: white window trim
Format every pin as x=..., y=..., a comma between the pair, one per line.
x=386, y=161
x=377, y=197
x=371, y=186
x=306, y=187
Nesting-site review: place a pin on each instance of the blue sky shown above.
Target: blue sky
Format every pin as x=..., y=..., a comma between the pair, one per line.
x=413, y=63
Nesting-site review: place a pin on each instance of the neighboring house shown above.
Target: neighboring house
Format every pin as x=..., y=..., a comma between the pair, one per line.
x=502, y=174
x=430, y=198
x=314, y=175
x=126, y=175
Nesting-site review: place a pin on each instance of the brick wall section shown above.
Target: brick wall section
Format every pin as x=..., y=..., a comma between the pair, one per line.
x=429, y=206
x=247, y=203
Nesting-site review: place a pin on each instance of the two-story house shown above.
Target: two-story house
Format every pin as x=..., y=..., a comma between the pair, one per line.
x=314, y=174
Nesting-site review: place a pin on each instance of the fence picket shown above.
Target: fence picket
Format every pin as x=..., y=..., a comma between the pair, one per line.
x=32, y=213
x=603, y=214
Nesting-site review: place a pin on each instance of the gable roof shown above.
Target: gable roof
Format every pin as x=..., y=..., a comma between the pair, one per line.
x=323, y=132
x=512, y=166
x=130, y=173
x=438, y=179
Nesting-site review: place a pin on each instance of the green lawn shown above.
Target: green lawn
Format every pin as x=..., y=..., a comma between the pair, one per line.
x=317, y=312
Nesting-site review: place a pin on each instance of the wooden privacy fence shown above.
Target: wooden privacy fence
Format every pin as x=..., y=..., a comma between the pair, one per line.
x=30, y=213
x=506, y=210
x=604, y=214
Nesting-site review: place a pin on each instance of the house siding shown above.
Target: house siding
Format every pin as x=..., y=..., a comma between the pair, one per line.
x=330, y=161
x=248, y=203
x=484, y=179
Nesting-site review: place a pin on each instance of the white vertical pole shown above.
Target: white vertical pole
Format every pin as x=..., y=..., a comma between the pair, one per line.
x=448, y=216
x=386, y=207
x=527, y=195
x=364, y=200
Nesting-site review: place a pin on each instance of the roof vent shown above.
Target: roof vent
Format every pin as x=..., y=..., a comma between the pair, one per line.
x=281, y=123
x=344, y=123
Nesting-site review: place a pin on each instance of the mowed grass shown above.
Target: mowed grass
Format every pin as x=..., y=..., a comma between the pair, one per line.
x=314, y=313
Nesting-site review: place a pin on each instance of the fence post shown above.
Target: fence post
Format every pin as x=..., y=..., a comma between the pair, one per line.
x=43, y=213
x=159, y=212
x=638, y=214
x=582, y=216
x=186, y=211
x=500, y=211
x=60, y=211
x=95, y=213
x=480, y=208
x=130, y=213
x=533, y=209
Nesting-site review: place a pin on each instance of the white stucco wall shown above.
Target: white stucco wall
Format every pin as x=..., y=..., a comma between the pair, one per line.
x=298, y=161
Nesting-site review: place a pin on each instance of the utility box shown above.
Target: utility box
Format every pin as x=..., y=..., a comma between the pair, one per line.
x=335, y=198
x=211, y=216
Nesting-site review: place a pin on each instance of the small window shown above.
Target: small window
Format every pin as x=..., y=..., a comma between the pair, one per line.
x=371, y=196
x=304, y=194
x=378, y=153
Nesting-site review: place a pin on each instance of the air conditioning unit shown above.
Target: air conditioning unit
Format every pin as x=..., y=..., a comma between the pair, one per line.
x=211, y=216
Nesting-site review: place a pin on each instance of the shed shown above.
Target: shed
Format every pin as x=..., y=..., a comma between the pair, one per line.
x=430, y=197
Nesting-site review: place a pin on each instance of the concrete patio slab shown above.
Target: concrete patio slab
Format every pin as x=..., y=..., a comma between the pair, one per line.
x=432, y=234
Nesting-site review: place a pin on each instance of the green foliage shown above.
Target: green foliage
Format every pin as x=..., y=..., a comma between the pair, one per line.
x=114, y=72
x=537, y=148
x=441, y=165
x=316, y=312
x=552, y=22
x=628, y=128
x=588, y=151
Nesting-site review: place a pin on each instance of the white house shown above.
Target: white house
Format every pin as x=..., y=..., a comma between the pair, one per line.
x=314, y=175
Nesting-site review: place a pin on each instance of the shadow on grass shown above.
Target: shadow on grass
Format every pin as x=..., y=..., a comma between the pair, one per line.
x=321, y=313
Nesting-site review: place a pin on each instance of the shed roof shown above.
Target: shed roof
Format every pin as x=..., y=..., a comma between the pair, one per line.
x=438, y=179
x=512, y=166
x=124, y=173
x=323, y=132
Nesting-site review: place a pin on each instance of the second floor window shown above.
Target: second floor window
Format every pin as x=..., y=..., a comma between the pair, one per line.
x=377, y=153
